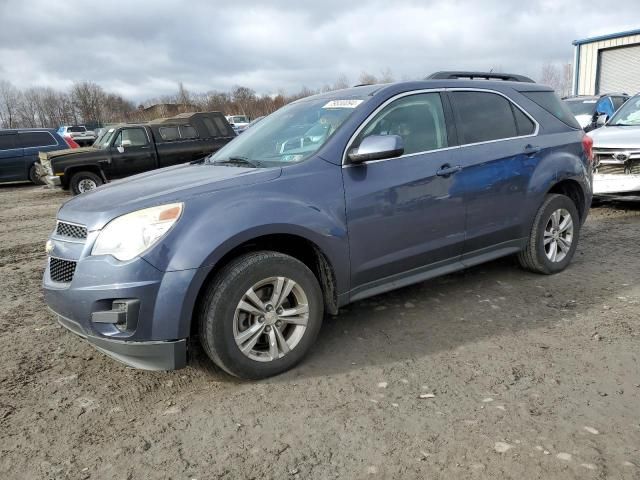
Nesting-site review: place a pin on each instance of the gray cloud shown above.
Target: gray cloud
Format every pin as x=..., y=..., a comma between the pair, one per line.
x=143, y=49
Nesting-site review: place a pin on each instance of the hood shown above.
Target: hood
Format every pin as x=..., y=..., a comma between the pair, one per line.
x=70, y=151
x=616, y=137
x=166, y=185
x=584, y=120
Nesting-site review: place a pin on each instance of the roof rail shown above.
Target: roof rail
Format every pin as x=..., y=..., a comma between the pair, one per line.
x=511, y=77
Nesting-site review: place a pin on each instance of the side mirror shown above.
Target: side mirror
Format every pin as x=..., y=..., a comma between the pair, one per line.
x=602, y=119
x=377, y=147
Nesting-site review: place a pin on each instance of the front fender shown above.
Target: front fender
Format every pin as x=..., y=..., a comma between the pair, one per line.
x=307, y=201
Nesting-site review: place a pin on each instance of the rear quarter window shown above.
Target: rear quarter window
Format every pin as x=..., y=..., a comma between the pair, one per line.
x=550, y=102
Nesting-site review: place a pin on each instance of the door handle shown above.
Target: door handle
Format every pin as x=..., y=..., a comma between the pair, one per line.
x=446, y=170
x=532, y=149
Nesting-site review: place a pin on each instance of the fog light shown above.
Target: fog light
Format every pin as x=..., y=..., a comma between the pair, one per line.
x=123, y=314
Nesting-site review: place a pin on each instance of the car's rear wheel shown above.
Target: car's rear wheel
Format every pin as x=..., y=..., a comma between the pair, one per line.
x=261, y=314
x=33, y=176
x=554, y=236
x=82, y=182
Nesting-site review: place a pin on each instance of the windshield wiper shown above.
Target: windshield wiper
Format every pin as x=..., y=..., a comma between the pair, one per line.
x=238, y=161
x=625, y=124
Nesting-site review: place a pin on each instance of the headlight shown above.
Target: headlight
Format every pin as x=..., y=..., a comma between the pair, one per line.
x=130, y=235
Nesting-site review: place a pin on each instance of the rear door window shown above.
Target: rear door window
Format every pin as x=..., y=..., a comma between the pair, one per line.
x=35, y=139
x=552, y=104
x=7, y=142
x=483, y=117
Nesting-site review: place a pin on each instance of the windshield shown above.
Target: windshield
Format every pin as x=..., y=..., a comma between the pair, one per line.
x=239, y=119
x=289, y=135
x=581, y=107
x=104, y=139
x=629, y=113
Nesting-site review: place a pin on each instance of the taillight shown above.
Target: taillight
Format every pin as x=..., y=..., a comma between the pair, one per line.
x=587, y=146
x=71, y=142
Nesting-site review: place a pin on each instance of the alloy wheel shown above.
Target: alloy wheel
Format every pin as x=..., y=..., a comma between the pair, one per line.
x=271, y=319
x=558, y=235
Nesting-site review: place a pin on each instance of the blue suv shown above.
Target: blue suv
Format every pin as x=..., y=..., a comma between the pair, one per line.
x=329, y=200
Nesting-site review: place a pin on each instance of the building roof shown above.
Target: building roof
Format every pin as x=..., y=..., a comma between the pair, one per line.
x=606, y=37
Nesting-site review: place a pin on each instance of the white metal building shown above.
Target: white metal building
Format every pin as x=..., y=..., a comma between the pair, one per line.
x=609, y=63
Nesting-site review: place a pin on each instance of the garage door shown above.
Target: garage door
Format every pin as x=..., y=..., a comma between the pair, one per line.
x=619, y=70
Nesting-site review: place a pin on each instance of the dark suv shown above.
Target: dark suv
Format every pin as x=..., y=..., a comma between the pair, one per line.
x=329, y=200
x=19, y=150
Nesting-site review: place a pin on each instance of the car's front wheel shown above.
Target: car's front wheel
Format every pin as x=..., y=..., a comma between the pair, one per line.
x=261, y=314
x=554, y=236
x=82, y=182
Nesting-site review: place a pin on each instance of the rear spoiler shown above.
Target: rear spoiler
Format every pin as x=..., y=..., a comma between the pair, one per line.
x=457, y=75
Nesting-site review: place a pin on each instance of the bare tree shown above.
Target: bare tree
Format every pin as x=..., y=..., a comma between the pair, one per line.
x=367, y=78
x=342, y=82
x=8, y=103
x=557, y=76
x=88, y=98
x=386, y=76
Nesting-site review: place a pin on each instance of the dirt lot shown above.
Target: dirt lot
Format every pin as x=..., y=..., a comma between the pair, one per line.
x=531, y=376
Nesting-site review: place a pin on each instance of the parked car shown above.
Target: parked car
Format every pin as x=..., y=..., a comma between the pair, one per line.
x=238, y=122
x=587, y=109
x=128, y=149
x=249, y=248
x=79, y=134
x=253, y=122
x=19, y=152
x=616, y=147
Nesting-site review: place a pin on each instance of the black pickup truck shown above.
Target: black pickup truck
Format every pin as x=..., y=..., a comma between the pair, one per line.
x=127, y=149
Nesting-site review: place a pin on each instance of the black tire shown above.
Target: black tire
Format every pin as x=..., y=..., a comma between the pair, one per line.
x=33, y=176
x=224, y=292
x=534, y=257
x=79, y=177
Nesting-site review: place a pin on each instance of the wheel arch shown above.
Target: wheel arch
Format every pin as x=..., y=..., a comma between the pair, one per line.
x=297, y=246
x=572, y=189
x=70, y=171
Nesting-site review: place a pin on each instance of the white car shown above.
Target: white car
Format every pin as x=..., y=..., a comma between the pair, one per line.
x=616, y=149
x=238, y=122
x=78, y=133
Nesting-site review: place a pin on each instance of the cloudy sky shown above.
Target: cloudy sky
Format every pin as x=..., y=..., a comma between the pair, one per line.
x=142, y=49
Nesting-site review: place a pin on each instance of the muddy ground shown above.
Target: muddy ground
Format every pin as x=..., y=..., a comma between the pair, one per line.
x=529, y=376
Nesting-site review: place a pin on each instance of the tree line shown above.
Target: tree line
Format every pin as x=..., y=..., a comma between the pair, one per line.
x=87, y=103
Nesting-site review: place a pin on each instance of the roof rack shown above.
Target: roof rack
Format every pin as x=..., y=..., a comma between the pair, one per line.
x=510, y=77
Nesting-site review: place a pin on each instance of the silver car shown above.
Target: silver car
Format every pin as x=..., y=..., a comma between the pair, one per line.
x=616, y=148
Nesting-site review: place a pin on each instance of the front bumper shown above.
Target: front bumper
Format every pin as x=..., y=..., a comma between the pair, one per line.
x=87, y=294
x=604, y=184
x=154, y=355
x=44, y=174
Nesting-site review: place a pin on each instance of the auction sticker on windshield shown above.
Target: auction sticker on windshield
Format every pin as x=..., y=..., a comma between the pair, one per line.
x=351, y=103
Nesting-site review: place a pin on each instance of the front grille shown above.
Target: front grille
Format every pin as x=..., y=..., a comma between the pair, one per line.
x=627, y=168
x=65, y=229
x=610, y=169
x=61, y=270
